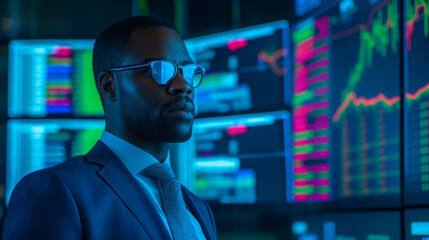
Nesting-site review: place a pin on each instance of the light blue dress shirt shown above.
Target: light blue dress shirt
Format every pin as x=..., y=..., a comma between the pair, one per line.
x=135, y=160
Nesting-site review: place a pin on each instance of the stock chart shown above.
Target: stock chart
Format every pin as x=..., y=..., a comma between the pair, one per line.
x=416, y=47
x=50, y=78
x=347, y=103
x=311, y=114
x=37, y=144
x=244, y=66
x=238, y=158
x=241, y=134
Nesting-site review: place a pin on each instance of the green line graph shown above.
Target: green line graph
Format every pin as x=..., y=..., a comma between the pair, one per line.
x=377, y=36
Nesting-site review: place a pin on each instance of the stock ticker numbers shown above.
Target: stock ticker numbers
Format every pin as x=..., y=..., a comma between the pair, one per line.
x=311, y=120
x=347, y=103
x=52, y=78
x=241, y=135
x=242, y=67
x=416, y=87
x=34, y=144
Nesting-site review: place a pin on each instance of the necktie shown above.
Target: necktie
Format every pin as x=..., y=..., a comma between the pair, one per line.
x=172, y=199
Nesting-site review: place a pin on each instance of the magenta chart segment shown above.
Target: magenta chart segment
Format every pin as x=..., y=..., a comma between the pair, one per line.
x=59, y=81
x=416, y=47
x=349, y=118
x=311, y=168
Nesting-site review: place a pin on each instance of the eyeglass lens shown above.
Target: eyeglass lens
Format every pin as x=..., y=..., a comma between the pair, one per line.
x=164, y=71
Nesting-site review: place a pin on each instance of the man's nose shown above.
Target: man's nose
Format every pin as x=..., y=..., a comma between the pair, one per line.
x=180, y=86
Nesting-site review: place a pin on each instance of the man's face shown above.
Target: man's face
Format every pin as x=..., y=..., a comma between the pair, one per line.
x=148, y=109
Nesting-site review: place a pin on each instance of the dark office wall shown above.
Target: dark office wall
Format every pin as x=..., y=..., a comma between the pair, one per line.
x=63, y=19
x=205, y=17
x=84, y=19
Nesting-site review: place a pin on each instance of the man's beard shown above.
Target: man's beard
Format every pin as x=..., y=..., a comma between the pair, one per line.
x=149, y=125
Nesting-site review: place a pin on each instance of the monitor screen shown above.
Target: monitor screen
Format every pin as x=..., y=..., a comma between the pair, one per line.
x=36, y=144
x=241, y=159
x=51, y=78
x=417, y=224
x=346, y=104
x=243, y=67
x=416, y=127
x=352, y=226
x=303, y=7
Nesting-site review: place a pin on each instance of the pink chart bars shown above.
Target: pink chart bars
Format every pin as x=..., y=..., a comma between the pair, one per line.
x=311, y=169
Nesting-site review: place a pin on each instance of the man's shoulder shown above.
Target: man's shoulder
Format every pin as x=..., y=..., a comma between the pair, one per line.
x=74, y=165
x=72, y=172
x=71, y=168
x=47, y=195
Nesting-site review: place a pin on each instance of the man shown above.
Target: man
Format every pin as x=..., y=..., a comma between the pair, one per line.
x=124, y=188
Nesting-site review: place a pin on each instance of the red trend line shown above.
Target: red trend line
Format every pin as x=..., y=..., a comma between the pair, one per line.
x=352, y=98
x=356, y=28
x=410, y=24
x=420, y=91
x=272, y=60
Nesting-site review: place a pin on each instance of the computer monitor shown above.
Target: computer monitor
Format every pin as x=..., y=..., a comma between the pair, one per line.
x=346, y=104
x=52, y=78
x=347, y=226
x=416, y=127
x=240, y=159
x=248, y=70
x=303, y=7
x=36, y=144
x=417, y=224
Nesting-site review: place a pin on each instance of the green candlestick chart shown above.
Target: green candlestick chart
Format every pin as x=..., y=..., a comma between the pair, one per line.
x=366, y=119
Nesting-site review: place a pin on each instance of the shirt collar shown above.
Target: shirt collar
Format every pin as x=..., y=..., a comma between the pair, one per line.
x=134, y=158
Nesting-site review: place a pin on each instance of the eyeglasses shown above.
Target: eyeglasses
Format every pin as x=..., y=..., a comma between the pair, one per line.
x=164, y=71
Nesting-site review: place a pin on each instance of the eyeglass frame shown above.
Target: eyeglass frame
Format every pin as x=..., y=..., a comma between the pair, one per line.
x=176, y=69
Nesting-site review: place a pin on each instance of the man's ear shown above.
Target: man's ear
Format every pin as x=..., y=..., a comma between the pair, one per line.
x=107, y=85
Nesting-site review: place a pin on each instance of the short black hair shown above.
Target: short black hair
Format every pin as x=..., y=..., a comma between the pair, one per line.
x=111, y=42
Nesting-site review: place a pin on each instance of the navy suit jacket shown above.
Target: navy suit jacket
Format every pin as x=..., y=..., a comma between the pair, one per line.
x=92, y=196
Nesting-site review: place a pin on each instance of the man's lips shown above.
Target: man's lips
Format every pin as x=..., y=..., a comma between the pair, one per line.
x=184, y=110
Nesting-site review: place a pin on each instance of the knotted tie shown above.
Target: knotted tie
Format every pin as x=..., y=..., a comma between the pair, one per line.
x=172, y=199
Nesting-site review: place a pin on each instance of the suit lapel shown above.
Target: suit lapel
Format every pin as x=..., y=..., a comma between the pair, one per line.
x=196, y=209
x=127, y=188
